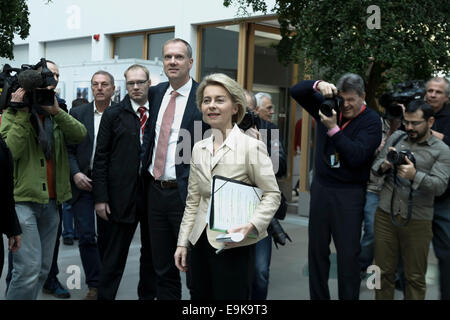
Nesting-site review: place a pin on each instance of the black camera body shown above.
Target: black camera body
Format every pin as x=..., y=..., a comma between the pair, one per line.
x=403, y=93
x=34, y=82
x=249, y=121
x=397, y=158
x=329, y=104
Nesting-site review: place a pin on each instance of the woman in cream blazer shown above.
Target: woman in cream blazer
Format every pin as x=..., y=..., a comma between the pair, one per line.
x=230, y=153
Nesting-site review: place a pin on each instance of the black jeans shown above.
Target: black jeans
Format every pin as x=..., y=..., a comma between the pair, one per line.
x=338, y=213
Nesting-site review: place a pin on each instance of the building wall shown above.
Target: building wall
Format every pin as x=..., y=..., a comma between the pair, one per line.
x=71, y=20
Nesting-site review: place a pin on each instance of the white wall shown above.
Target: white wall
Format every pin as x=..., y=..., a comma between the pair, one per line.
x=20, y=57
x=70, y=19
x=66, y=52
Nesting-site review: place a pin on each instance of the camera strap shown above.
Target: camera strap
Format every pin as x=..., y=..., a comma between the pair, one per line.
x=394, y=190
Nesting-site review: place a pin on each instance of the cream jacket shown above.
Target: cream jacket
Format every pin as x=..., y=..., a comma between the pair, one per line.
x=241, y=158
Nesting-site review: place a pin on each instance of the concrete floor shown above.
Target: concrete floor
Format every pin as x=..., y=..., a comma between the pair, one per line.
x=288, y=275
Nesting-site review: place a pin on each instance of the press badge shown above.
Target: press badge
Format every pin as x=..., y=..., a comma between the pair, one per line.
x=334, y=161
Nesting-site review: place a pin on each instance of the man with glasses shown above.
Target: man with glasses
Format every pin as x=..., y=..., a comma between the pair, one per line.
x=81, y=163
x=118, y=192
x=403, y=220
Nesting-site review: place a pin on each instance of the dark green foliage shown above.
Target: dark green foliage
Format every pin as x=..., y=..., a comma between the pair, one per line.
x=13, y=20
x=412, y=43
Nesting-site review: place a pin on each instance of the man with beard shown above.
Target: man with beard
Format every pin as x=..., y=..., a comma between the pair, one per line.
x=403, y=219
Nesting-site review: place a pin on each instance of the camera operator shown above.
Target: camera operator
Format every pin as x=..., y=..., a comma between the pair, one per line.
x=37, y=136
x=344, y=150
x=437, y=93
x=416, y=166
x=262, y=130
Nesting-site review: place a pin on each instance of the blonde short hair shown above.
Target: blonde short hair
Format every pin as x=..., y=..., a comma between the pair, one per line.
x=232, y=87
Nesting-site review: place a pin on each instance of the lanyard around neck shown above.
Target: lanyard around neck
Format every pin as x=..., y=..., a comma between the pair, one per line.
x=347, y=123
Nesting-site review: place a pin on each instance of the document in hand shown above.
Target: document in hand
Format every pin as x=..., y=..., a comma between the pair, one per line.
x=233, y=203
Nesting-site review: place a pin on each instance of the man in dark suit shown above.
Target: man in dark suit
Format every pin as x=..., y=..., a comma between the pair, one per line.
x=168, y=139
x=81, y=159
x=118, y=190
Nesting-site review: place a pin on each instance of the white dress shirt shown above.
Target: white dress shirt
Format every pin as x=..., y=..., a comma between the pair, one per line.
x=181, y=102
x=135, y=107
x=97, y=119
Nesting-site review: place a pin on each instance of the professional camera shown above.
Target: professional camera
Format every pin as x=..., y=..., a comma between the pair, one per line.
x=249, y=121
x=397, y=158
x=277, y=232
x=335, y=103
x=403, y=93
x=34, y=82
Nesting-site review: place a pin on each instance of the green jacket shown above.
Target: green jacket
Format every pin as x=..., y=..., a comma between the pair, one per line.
x=30, y=167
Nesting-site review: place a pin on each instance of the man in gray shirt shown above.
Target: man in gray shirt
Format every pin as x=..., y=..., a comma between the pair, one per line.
x=404, y=216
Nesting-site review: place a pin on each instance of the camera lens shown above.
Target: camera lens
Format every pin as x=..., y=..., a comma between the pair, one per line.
x=392, y=156
x=327, y=106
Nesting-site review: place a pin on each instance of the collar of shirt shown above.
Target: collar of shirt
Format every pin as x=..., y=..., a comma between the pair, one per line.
x=95, y=108
x=229, y=141
x=136, y=106
x=184, y=90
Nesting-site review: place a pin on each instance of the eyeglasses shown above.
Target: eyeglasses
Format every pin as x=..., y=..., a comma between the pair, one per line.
x=413, y=123
x=139, y=83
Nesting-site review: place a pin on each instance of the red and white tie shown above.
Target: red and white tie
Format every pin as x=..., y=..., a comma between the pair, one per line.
x=143, y=118
x=163, y=139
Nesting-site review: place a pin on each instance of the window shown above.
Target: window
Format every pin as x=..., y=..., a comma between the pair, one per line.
x=155, y=43
x=220, y=50
x=129, y=46
x=142, y=45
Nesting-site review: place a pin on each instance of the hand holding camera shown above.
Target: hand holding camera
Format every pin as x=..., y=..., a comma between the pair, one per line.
x=328, y=121
x=404, y=161
x=53, y=109
x=328, y=90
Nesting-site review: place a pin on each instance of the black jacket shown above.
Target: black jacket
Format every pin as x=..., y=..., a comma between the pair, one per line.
x=442, y=125
x=9, y=224
x=80, y=155
x=116, y=163
x=192, y=118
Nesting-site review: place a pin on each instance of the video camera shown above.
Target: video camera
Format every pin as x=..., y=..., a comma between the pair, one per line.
x=403, y=93
x=33, y=81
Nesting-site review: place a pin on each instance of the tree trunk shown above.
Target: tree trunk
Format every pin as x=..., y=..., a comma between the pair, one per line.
x=374, y=79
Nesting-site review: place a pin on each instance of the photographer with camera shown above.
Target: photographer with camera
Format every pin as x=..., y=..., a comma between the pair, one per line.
x=437, y=94
x=36, y=132
x=347, y=135
x=416, y=166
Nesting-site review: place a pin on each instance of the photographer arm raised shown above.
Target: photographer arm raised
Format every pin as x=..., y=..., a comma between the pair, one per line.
x=309, y=98
x=16, y=128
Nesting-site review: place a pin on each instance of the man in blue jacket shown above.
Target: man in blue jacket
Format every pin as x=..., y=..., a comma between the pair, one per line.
x=346, y=141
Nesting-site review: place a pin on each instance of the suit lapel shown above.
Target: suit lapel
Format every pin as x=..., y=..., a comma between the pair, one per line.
x=191, y=107
x=89, y=121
